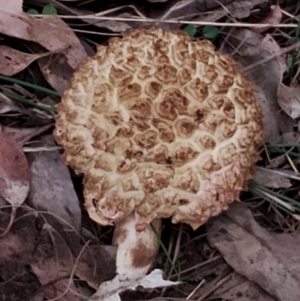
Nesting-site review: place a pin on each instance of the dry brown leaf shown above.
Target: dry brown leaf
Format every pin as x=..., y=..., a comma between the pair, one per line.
x=56, y=71
x=255, y=44
x=102, y=259
x=13, y=61
x=250, y=46
x=238, y=9
x=291, y=138
x=18, y=283
x=14, y=170
x=270, y=44
x=241, y=9
x=238, y=288
x=14, y=175
x=114, y=26
x=37, y=244
x=266, y=92
x=270, y=260
x=52, y=189
x=50, y=31
x=23, y=135
x=65, y=9
x=273, y=18
x=289, y=100
x=7, y=105
x=264, y=46
x=270, y=179
x=51, y=267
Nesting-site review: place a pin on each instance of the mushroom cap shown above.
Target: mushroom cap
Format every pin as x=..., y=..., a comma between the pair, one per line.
x=162, y=125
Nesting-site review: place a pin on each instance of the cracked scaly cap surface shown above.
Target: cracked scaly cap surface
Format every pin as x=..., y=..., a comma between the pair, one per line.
x=162, y=125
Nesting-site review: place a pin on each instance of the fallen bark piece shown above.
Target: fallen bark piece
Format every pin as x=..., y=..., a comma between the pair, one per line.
x=268, y=259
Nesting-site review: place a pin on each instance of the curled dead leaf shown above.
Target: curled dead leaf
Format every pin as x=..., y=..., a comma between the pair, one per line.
x=257, y=253
x=273, y=18
x=13, y=61
x=289, y=100
x=14, y=171
x=253, y=49
x=56, y=71
x=270, y=179
x=14, y=174
x=50, y=32
x=7, y=105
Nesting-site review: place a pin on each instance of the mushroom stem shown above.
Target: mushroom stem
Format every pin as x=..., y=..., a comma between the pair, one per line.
x=136, y=249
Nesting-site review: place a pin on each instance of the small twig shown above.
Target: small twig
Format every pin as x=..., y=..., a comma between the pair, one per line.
x=292, y=163
x=197, y=266
x=213, y=288
x=98, y=33
x=177, y=6
x=72, y=273
x=41, y=149
x=278, y=172
x=195, y=289
x=187, y=22
x=11, y=221
x=112, y=10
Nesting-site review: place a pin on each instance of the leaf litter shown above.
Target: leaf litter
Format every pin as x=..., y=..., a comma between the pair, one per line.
x=257, y=253
x=68, y=255
x=50, y=32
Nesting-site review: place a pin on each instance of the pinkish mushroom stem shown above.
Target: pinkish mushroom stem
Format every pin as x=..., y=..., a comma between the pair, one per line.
x=136, y=249
x=137, y=242
x=137, y=245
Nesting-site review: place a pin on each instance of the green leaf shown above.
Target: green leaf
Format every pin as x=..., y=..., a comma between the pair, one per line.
x=190, y=30
x=32, y=11
x=49, y=9
x=210, y=32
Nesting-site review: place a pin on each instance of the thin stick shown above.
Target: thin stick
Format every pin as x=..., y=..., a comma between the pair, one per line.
x=72, y=273
x=200, y=23
x=218, y=284
x=11, y=221
x=195, y=289
x=292, y=163
x=197, y=266
x=278, y=172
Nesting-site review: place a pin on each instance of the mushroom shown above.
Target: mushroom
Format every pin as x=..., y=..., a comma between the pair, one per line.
x=161, y=126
